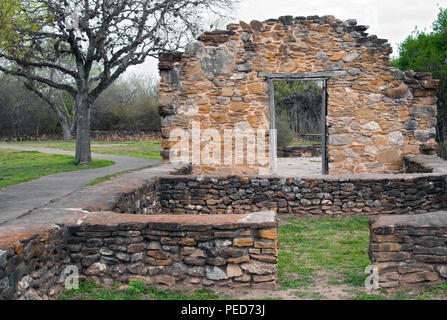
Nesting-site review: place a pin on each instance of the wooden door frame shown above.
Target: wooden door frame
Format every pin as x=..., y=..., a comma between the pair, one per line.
x=317, y=76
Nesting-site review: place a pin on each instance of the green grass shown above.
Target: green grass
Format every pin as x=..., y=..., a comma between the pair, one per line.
x=111, y=176
x=137, y=290
x=310, y=247
x=21, y=166
x=427, y=293
x=144, y=149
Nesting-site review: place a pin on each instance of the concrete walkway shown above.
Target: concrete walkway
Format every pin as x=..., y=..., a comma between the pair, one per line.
x=19, y=199
x=299, y=167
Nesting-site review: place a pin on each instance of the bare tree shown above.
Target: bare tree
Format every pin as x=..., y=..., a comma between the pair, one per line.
x=107, y=34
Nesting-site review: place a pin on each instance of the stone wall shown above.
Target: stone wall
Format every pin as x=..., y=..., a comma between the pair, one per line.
x=31, y=263
x=186, y=251
x=307, y=196
x=376, y=114
x=176, y=251
x=410, y=251
x=423, y=188
x=300, y=151
x=104, y=136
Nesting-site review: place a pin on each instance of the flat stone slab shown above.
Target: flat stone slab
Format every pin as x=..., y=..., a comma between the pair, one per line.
x=181, y=222
x=425, y=220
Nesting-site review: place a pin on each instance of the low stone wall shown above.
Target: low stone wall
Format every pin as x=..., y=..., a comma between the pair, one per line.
x=235, y=251
x=410, y=250
x=104, y=136
x=300, y=152
x=31, y=262
x=331, y=195
x=177, y=251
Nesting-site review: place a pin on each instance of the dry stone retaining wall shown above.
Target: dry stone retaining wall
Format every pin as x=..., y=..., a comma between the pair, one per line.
x=376, y=114
x=235, y=251
x=31, y=263
x=334, y=195
x=105, y=136
x=300, y=151
x=185, y=252
x=410, y=251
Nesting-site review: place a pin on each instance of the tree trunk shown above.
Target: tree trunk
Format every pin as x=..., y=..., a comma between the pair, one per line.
x=83, y=150
x=66, y=130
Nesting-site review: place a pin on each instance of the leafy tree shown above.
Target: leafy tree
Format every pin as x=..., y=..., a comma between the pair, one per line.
x=298, y=106
x=111, y=35
x=427, y=52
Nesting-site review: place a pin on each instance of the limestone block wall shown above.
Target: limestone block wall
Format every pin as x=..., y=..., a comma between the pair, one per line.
x=423, y=188
x=410, y=251
x=376, y=114
x=176, y=251
x=185, y=251
x=31, y=263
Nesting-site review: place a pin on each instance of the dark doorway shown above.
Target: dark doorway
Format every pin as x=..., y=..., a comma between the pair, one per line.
x=299, y=117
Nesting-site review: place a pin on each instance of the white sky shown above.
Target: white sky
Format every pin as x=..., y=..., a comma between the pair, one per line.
x=388, y=19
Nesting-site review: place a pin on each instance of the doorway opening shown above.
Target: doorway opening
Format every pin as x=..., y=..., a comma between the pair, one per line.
x=298, y=113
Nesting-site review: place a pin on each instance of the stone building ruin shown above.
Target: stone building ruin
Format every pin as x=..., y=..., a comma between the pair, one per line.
x=374, y=114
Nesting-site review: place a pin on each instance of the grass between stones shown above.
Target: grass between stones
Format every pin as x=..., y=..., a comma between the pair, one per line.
x=143, y=149
x=137, y=290
x=319, y=259
x=21, y=166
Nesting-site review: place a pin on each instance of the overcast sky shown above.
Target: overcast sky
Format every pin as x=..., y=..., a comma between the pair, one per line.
x=388, y=19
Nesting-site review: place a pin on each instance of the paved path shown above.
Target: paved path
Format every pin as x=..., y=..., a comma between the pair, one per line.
x=19, y=199
x=299, y=167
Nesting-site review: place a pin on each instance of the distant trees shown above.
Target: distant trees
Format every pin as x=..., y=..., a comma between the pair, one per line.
x=22, y=113
x=74, y=38
x=130, y=104
x=427, y=51
x=298, y=106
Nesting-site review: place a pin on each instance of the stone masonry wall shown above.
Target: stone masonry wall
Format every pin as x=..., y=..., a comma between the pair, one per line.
x=376, y=114
x=410, y=251
x=182, y=252
x=234, y=251
x=307, y=196
x=423, y=188
x=31, y=264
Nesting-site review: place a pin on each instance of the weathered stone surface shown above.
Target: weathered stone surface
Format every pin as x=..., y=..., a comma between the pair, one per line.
x=413, y=254
x=260, y=268
x=266, y=233
x=163, y=279
x=234, y=270
x=243, y=242
x=229, y=68
x=3, y=258
x=96, y=269
x=215, y=273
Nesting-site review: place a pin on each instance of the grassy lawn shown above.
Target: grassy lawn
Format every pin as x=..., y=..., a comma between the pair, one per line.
x=145, y=149
x=21, y=166
x=314, y=247
x=137, y=290
x=320, y=258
